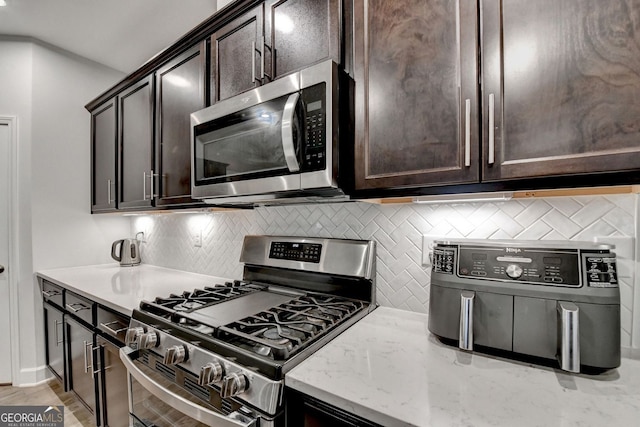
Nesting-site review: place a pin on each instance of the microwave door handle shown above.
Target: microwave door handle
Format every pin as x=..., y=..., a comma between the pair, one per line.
x=287, y=133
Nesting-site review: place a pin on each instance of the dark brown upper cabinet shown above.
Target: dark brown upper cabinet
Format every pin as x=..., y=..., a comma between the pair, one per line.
x=180, y=91
x=561, y=87
x=103, y=157
x=135, y=141
x=237, y=54
x=560, y=92
x=300, y=33
x=416, y=74
x=271, y=40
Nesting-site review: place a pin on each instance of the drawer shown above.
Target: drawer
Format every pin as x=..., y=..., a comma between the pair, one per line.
x=52, y=293
x=113, y=324
x=80, y=307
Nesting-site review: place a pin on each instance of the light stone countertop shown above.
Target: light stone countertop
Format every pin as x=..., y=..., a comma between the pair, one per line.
x=122, y=288
x=389, y=369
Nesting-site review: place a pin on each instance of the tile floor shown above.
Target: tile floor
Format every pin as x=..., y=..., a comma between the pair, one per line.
x=50, y=393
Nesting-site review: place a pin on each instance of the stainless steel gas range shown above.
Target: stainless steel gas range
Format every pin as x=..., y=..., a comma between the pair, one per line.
x=218, y=355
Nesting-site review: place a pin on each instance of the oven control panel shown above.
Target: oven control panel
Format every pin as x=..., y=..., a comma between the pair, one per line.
x=537, y=266
x=290, y=251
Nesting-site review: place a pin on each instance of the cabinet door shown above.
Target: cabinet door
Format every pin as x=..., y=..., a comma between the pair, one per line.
x=235, y=55
x=103, y=157
x=416, y=93
x=54, y=337
x=301, y=33
x=180, y=91
x=79, y=345
x=561, y=84
x=112, y=378
x=135, y=111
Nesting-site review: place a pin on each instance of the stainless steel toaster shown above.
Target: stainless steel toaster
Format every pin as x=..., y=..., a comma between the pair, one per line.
x=549, y=302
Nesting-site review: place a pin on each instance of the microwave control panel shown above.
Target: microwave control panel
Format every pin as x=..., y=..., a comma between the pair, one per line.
x=314, y=145
x=536, y=266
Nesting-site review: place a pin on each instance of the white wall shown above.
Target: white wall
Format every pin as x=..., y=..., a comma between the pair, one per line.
x=46, y=89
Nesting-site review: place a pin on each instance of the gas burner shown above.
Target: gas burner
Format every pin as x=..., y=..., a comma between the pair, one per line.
x=196, y=326
x=284, y=330
x=187, y=305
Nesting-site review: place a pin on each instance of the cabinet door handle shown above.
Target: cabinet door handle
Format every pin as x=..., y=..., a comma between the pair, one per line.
x=144, y=185
x=72, y=307
x=467, y=132
x=253, y=61
x=86, y=358
x=152, y=185
x=492, y=141
x=263, y=46
x=55, y=332
x=114, y=331
x=109, y=192
x=50, y=294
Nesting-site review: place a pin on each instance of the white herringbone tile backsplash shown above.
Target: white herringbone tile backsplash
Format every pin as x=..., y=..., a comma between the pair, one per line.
x=402, y=281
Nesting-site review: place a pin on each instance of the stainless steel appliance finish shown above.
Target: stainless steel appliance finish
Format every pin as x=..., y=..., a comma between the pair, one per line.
x=128, y=254
x=219, y=354
x=550, y=302
x=274, y=142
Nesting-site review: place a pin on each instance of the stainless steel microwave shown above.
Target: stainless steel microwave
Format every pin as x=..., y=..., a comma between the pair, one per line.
x=273, y=143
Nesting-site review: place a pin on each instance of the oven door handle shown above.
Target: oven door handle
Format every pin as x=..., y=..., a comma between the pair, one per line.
x=191, y=409
x=288, y=128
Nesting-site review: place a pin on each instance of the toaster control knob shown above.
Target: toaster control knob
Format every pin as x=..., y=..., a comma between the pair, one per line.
x=514, y=271
x=234, y=384
x=132, y=335
x=211, y=373
x=175, y=354
x=148, y=340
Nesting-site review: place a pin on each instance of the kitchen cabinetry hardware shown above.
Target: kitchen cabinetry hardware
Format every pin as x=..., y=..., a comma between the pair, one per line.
x=72, y=307
x=253, y=61
x=467, y=132
x=466, y=320
x=263, y=46
x=86, y=358
x=57, y=339
x=287, y=132
x=114, y=331
x=492, y=142
x=48, y=294
x=568, y=336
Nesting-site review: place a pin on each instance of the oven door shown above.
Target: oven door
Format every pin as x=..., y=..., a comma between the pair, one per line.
x=154, y=401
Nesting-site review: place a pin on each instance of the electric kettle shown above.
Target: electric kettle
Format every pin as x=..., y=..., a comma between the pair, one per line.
x=129, y=253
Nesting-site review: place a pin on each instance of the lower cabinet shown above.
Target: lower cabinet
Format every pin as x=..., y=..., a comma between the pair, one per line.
x=54, y=342
x=82, y=344
x=80, y=362
x=306, y=411
x=111, y=376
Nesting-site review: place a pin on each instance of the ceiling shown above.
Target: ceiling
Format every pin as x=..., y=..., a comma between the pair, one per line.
x=122, y=34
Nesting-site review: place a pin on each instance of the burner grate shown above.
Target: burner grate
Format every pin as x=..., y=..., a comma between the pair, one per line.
x=199, y=298
x=282, y=331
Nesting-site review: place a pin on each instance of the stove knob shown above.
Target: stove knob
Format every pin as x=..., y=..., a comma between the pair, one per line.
x=234, y=384
x=211, y=373
x=132, y=335
x=175, y=354
x=148, y=340
x=514, y=271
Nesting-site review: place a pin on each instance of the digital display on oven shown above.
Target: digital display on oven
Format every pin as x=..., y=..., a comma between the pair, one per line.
x=306, y=252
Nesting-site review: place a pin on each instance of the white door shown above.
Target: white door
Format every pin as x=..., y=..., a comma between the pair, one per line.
x=5, y=205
